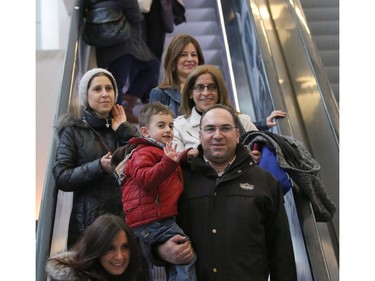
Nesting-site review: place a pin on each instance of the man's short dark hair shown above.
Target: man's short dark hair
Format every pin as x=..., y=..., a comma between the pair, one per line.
x=227, y=108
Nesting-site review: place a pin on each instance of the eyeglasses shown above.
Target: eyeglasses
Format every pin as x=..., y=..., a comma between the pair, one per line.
x=200, y=87
x=223, y=129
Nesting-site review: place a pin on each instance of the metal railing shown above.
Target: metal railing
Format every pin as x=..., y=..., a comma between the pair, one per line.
x=72, y=66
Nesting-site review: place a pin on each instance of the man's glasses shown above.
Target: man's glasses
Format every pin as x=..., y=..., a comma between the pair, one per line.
x=200, y=87
x=210, y=130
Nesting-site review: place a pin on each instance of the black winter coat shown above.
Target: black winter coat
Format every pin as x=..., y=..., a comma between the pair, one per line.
x=237, y=222
x=77, y=168
x=134, y=46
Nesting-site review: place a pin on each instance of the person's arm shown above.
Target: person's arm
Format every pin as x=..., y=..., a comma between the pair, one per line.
x=148, y=170
x=261, y=124
x=123, y=129
x=157, y=94
x=68, y=174
x=274, y=114
x=176, y=250
x=118, y=116
x=172, y=251
x=267, y=123
x=249, y=126
x=256, y=155
x=132, y=10
x=246, y=122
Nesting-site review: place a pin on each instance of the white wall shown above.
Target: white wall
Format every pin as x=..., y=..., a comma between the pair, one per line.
x=52, y=30
x=49, y=69
x=53, y=22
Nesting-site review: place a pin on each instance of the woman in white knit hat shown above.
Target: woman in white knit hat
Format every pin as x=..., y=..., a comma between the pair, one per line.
x=84, y=151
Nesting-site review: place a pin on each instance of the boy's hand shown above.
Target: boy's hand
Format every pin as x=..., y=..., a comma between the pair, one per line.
x=170, y=151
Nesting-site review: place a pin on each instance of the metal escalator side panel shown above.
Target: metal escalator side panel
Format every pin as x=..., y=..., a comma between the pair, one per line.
x=76, y=61
x=270, y=47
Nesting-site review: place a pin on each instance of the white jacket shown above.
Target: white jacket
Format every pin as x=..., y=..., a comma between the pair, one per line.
x=186, y=130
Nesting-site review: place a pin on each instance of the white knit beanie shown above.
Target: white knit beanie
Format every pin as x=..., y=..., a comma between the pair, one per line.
x=84, y=84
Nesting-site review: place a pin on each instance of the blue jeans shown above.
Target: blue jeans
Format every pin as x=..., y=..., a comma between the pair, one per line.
x=159, y=232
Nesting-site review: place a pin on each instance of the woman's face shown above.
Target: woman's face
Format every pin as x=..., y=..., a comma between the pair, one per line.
x=101, y=95
x=206, y=98
x=187, y=60
x=117, y=259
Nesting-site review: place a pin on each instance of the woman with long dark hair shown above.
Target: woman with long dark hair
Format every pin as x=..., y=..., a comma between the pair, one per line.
x=107, y=251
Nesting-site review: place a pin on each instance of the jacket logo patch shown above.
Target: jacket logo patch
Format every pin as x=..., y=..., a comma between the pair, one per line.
x=145, y=233
x=247, y=186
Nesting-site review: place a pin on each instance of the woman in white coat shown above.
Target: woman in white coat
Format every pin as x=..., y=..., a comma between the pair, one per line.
x=204, y=87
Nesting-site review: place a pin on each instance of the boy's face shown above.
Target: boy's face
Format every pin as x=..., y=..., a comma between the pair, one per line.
x=159, y=128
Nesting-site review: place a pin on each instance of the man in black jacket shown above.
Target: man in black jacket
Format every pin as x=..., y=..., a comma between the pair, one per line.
x=232, y=210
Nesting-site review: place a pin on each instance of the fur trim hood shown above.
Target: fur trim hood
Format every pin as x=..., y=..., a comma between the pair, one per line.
x=67, y=120
x=61, y=272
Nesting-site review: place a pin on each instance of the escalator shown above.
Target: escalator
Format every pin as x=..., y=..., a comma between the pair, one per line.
x=274, y=58
x=270, y=61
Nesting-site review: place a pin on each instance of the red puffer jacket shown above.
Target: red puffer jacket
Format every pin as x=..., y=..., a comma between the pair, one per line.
x=152, y=185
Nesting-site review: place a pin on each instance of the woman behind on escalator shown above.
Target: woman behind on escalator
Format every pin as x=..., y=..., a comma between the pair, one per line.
x=132, y=63
x=183, y=55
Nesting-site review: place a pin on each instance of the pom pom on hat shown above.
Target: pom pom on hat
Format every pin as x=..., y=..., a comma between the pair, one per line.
x=84, y=83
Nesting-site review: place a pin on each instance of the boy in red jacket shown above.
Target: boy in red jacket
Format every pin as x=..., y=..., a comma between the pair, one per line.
x=154, y=182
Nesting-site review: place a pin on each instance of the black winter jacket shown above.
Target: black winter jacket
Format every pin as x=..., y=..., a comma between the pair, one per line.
x=237, y=222
x=135, y=45
x=77, y=168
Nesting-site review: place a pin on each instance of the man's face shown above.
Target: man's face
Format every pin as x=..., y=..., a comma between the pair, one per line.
x=218, y=136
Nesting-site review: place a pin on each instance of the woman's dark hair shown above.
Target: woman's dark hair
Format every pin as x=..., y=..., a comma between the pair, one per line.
x=227, y=108
x=96, y=242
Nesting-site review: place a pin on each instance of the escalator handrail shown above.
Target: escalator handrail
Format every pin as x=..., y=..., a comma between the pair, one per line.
x=326, y=91
x=49, y=196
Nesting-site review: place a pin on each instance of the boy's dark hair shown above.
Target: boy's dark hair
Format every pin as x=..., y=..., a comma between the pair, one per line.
x=151, y=109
